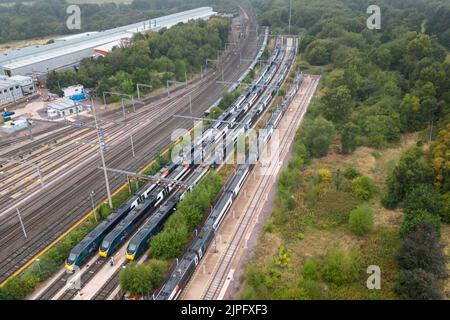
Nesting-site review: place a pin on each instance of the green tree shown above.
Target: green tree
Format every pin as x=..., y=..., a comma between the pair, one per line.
x=418, y=217
x=337, y=104
x=349, y=138
x=361, y=220
x=317, y=136
x=412, y=169
x=363, y=188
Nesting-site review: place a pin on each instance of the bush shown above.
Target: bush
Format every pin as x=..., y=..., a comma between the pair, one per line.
x=413, y=219
x=341, y=268
x=311, y=270
x=418, y=284
x=324, y=175
x=421, y=250
x=144, y=278
x=413, y=169
x=422, y=197
x=351, y=173
x=363, y=188
x=361, y=220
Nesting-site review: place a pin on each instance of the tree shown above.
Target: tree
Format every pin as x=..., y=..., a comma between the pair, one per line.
x=318, y=52
x=363, y=188
x=411, y=170
x=418, y=284
x=422, y=197
x=142, y=279
x=318, y=135
x=418, y=217
x=361, y=220
x=337, y=104
x=349, y=138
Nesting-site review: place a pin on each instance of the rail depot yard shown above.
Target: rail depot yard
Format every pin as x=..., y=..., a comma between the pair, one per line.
x=224, y=150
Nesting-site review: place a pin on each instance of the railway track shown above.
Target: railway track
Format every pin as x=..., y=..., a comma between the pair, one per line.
x=224, y=265
x=39, y=239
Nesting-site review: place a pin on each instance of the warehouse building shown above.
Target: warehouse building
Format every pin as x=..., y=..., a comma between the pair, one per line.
x=14, y=88
x=63, y=108
x=68, y=51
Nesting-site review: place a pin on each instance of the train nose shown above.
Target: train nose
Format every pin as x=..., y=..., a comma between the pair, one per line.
x=103, y=253
x=130, y=256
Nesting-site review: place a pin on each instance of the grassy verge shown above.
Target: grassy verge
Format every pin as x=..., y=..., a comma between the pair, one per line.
x=307, y=249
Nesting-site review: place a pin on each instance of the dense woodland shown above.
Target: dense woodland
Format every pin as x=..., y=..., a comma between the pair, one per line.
x=377, y=86
x=21, y=20
x=151, y=58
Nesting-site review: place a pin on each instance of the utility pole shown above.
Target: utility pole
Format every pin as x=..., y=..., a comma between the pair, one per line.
x=190, y=103
x=132, y=146
x=21, y=223
x=91, y=195
x=102, y=156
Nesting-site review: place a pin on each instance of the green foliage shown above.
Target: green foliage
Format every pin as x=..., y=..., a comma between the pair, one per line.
x=152, y=58
x=416, y=218
x=172, y=240
x=361, y=220
x=318, y=52
x=363, y=188
x=412, y=169
x=283, y=258
x=351, y=173
x=341, y=268
x=337, y=104
x=311, y=270
x=317, y=136
x=142, y=279
x=422, y=197
x=349, y=138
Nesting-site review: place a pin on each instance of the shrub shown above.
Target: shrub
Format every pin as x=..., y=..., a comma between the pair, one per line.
x=363, y=188
x=421, y=250
x=144, y=278
x=413, y=219
x=283, y=258
x=418, y=284
x=351, y=173
x=311, y=270
x=341, y=268
x=324, y=175
x=361, y=220
x=422, y=197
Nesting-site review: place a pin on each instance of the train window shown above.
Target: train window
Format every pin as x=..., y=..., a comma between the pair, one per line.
x=131, y=248
x=105, y=245
x=72, y=258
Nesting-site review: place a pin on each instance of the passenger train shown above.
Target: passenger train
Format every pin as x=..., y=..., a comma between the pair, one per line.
x=189, y=261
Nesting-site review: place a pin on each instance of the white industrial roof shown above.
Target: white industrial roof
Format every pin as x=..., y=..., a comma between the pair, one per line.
x=35, y=54
x=62, y=105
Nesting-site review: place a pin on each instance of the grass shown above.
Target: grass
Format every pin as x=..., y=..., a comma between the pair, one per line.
x=318, y=224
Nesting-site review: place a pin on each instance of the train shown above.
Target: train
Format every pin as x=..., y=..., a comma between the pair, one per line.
x=139, y=242
x=110, y=233
x=186, y=266
x=115, y=237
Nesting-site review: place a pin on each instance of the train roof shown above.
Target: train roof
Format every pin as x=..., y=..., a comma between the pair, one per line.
x=155, y=218
x=177, y=274
x=131, y=216
x=99, y=229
